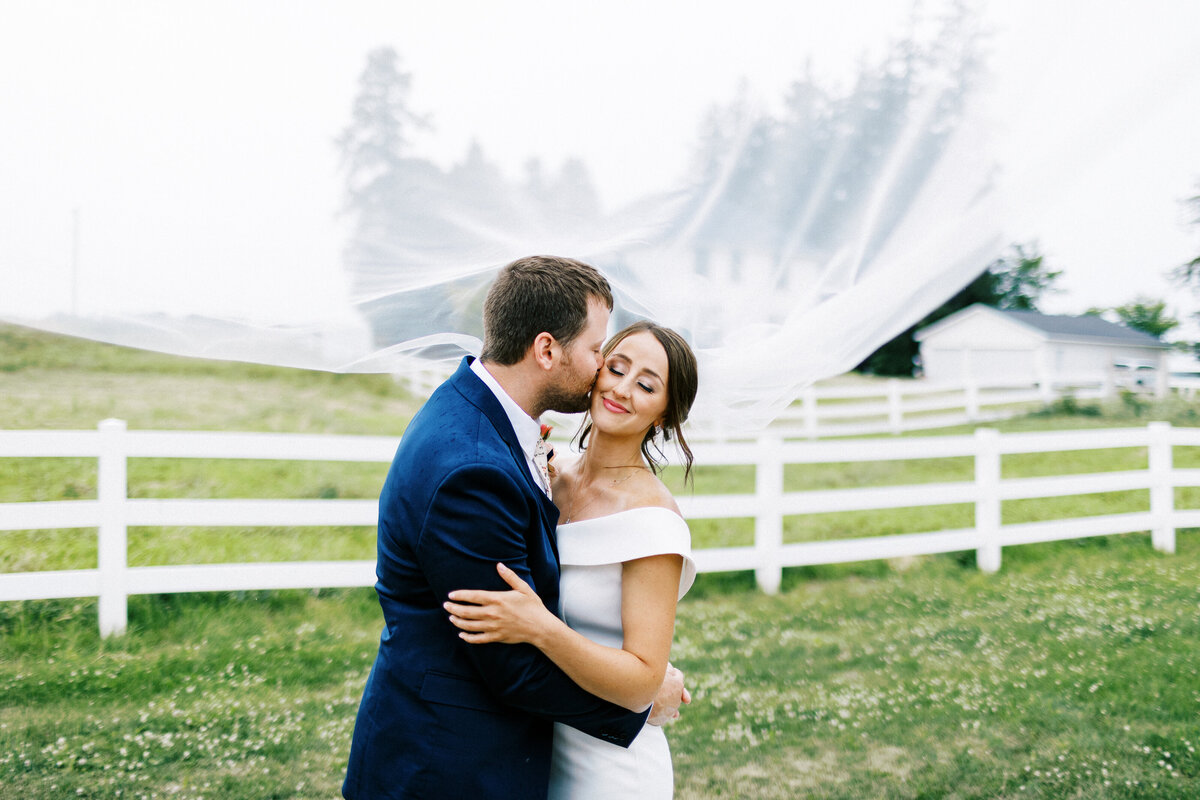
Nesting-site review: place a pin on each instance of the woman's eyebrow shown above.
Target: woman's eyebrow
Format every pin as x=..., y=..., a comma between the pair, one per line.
x=651, y=373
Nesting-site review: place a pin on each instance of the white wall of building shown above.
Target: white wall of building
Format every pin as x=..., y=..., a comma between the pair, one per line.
x=984, y=347
x=980, y=347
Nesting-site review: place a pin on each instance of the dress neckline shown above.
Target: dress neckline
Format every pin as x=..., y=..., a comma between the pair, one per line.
x=621, y=513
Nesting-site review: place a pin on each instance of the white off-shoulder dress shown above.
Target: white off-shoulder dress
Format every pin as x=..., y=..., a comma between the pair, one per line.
x=591, y=552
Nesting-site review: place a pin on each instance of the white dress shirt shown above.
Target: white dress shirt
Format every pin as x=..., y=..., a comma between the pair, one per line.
x=528, y=429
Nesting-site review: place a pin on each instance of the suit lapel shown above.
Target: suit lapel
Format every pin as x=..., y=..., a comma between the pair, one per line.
x=478, y=394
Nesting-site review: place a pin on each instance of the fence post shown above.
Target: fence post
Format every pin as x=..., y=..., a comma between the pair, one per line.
x=809, y=399
x=111, y=490
x=895, y=407
x=971, y=399
x=1162, y=488
x=987, y=498
x=1046, y=389
x=1043, y=376
x=768, y=524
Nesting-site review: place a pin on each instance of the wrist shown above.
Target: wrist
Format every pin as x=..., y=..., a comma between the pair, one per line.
x=544, y=634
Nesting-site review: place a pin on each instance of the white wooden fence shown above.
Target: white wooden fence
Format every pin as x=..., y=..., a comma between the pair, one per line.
x=895, y=405
x=113, y=511
x=1188, y=387
x=900, y=405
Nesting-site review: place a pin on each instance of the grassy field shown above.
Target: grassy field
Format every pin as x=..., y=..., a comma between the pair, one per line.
x=1071, y=673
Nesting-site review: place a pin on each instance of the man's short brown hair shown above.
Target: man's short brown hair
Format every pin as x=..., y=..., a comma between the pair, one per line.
x=536, y=294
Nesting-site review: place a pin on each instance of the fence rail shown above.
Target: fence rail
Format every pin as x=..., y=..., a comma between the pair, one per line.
x=113, y=511
x=899, y=406
x=902, y=405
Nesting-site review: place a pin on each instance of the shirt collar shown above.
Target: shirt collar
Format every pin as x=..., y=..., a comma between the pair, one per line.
x=527, y=429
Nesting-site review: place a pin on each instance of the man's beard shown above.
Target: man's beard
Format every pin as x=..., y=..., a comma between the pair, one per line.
x=565, y=401
x=568, y=399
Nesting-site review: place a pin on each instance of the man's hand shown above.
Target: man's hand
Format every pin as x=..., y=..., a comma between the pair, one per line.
x=670, y=696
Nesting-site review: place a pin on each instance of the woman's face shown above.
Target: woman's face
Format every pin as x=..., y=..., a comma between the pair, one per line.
x=630, y=394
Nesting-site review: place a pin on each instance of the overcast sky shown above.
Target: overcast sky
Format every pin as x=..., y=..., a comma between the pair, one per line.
x=200, y=135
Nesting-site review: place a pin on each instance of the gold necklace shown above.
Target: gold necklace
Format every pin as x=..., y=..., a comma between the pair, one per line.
x=571, y=511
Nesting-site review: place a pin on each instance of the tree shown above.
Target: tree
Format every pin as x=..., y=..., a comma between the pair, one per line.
x=395, y=201
x=572, y=194
x=836, y=166
x=407, y=213
x=1015, y=281
x=373, y=146
x=1189, y=273
x=897, y=357
x=1021, y=278
x=1148, y=315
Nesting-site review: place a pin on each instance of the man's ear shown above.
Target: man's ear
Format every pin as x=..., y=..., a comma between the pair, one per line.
x=545, y=350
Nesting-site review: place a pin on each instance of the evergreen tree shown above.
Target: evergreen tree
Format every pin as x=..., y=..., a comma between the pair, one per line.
x=898, y=356
x=394, y=199
x=572, y=194
x=1016, y=281
x=407, y=213
x=829, y=172
x=479, y=188
x=374, y=145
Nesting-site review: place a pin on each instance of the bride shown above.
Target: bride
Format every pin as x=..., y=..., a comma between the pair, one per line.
x=625, y=556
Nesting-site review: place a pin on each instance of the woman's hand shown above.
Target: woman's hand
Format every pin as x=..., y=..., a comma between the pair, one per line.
x=508, y=617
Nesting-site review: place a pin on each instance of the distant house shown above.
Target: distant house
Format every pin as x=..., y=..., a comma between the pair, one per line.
x=981, y=345
x=1183, y=365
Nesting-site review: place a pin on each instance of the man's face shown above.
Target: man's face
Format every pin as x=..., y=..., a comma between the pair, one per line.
x=571, y=386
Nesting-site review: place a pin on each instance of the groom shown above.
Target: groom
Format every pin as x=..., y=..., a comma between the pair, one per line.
x=467, y=489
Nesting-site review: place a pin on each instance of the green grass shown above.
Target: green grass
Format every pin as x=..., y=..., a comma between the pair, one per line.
x=53, y=382
x=209, y=695
x=1066, y=679
x=1071, y=678
x=58, y=382
x=1071, y=673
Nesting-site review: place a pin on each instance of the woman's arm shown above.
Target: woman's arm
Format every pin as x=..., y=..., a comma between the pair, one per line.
x=629, y=676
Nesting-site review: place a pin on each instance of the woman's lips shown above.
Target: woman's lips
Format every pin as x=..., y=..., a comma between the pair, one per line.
x=613, y=407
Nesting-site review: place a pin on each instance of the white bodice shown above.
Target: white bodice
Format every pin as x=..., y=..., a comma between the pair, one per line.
x=625, y=536
x=591, y=552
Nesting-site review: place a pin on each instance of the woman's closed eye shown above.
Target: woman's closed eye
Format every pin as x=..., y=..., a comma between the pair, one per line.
x=645, y=387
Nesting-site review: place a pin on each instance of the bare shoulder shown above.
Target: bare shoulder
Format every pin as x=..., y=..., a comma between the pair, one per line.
x=651, y=492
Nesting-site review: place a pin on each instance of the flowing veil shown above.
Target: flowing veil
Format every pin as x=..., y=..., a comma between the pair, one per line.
x=803, y=225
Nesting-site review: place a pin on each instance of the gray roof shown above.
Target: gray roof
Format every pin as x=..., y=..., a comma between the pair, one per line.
x=1085, y=327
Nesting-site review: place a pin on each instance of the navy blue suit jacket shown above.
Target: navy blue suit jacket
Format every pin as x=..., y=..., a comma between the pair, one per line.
x=440, y=717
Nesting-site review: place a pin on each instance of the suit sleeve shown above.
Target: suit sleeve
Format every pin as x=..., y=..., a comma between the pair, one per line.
x=479, y=517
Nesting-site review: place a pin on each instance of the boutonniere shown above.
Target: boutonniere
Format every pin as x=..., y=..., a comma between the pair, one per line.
x=550, y=450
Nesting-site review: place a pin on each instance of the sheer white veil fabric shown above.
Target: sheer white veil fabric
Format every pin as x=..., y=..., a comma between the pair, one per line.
x=805, y=231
